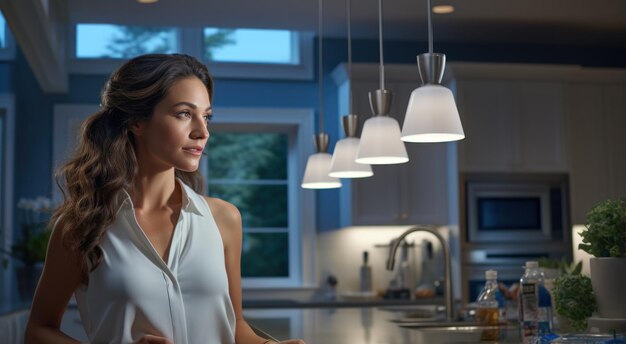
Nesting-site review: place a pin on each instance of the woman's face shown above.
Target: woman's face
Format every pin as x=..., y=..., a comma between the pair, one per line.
x=177, y=132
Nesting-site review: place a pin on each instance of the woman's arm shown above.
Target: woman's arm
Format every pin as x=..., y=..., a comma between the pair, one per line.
x=228, y=221
x=61, y=275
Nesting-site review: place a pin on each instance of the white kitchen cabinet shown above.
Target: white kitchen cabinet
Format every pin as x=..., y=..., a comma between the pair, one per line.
x=596, y=121
x=487, y=113
x=538, y=118
x=511, y=126
x=411, y=193
x=416, y=192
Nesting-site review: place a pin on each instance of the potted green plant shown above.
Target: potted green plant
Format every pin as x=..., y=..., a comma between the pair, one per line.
x=574, y=300
x=605, y=239
x=553, y=268
x=28, y=249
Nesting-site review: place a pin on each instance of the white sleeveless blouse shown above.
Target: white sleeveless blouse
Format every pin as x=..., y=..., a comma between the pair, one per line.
x=133, y=292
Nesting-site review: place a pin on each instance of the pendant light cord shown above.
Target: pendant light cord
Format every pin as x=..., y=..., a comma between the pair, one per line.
x=430, y=28
x=319, y=67
x=380, y=44
x=350, y=104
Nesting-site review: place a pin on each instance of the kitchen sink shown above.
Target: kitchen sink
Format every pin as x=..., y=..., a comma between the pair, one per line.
x=414, y=313
x=426, y=309
x=416, y=323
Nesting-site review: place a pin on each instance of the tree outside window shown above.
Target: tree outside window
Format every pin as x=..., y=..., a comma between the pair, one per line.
x=124, y=42
x=249, y=169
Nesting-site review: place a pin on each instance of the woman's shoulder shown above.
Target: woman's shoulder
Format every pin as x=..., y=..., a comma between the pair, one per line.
x=223, y=210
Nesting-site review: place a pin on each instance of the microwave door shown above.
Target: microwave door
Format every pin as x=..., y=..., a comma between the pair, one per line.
x=497, y=214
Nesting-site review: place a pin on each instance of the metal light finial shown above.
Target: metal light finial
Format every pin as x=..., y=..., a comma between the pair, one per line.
x=350, y=125
x=321, y=142
x=380, y=102
x=431, y=67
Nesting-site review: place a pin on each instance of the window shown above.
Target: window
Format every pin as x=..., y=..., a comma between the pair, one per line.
x=6, y=40
x=255, y=161
x=256, y=181
x=122, y=42
x=229, y=53
x=67, y=122
x=250, y=46
x=3, y=32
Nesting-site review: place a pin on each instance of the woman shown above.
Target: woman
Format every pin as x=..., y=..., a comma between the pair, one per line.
x=148, y=259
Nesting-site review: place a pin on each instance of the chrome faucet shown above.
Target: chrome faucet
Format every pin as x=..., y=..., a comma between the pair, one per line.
x=446, y=256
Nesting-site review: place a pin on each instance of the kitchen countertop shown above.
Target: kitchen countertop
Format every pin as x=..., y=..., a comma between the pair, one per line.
x=363, y=325
x=366, y=325
x=284, y=317
x=336, y=303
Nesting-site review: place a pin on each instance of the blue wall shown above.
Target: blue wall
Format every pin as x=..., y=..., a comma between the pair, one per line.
x=34, y=109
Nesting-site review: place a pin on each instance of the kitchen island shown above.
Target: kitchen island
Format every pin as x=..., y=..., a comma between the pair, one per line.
x=364, y=325
x=359, y=325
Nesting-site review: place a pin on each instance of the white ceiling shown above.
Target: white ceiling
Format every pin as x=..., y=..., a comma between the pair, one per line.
x=578, y=22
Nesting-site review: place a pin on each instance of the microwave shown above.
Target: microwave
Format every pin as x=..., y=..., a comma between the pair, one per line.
x=516, y=208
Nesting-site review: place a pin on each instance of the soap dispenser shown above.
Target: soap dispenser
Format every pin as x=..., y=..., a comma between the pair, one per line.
x=365, y=274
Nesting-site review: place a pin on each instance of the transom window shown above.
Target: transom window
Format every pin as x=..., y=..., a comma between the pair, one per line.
x=229, y=52
x=3, y=32
x=250, y=46
x=120, y=41
x=7, y=45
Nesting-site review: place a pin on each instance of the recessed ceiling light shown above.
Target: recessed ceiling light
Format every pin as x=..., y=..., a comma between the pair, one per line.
x=147, y=1
x=443, y=9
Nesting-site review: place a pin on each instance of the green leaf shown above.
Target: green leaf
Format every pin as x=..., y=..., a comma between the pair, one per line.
x=577, y=269
x=605, y=233
x=574, y=299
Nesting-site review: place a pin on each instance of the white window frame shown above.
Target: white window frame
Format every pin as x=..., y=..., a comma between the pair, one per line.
x=190, y=41
x=302, y=236
x=302, y=210
x=7, y=102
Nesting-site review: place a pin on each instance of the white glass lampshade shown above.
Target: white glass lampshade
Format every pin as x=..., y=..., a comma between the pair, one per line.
x=316, y=173
x=343, y=165
x=432, y=116
x=380, y=142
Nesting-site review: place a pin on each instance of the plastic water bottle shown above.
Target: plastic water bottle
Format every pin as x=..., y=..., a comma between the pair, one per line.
x=545, y=309
x=535, y=305
x=490, y=304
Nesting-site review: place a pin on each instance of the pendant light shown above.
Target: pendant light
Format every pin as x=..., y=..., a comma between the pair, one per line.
x=380, y=139
x=343, y=164
x=318, y=165
x=431, y=115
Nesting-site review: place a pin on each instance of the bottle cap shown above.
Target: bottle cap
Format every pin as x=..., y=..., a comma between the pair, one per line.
x=532, y=264
x=491, y=274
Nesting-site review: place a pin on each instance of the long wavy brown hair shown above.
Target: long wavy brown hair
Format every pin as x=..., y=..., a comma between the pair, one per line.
x=104, y=163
